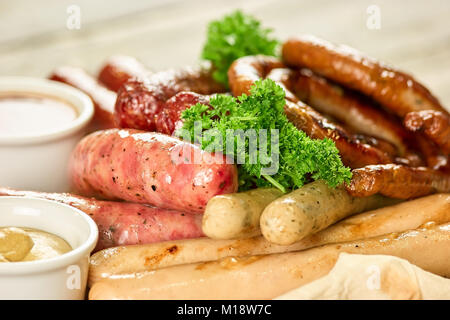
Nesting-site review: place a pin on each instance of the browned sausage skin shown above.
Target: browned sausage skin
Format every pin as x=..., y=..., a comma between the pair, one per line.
x=245, y=71
x=169, y=118
x=351, y=109
x=102, y=98
x=119, y=69
x=434, y=124
x=392, y=89
x=434, y=157
x=332, y=100
x=354, y=153
x=397, y=181
x=140, y=102
x=395, y=90
x=407, y=182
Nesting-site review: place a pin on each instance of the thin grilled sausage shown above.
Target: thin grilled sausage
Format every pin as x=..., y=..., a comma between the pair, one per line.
x=119, y=69
x=434, y=157
x=328, y=98
x=397, y=181
x=349, y=108
x=393, y=89
x=353, y=153
x=434, y=124
x=245, y=71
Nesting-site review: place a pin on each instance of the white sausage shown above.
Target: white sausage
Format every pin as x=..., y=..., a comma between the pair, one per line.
x=398, y=218
x=236, y=215
x=310, y=209
x=266, y=277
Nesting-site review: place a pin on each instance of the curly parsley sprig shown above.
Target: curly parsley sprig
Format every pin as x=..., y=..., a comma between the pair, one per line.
x=235, y=35
x=300, y=158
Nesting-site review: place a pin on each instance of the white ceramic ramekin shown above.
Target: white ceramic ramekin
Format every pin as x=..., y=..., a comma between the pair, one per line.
x=39, y=161
x=63, y=277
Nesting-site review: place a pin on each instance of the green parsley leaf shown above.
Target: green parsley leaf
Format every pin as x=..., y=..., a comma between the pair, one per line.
x=235, y=36
x=300, y=158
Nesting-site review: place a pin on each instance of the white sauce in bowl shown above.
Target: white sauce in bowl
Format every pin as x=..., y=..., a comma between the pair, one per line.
x=25, y=114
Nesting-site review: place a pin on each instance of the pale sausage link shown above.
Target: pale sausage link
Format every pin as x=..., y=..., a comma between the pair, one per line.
x=268, y=276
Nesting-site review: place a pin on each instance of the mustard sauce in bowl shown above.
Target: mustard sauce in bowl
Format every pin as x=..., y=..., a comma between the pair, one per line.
x=28, y=244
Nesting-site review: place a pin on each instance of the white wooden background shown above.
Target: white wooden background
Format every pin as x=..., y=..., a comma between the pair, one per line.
x=414, y=35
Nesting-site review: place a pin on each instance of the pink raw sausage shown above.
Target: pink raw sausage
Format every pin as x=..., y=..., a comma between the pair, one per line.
x=151, y=168
x=122, y=223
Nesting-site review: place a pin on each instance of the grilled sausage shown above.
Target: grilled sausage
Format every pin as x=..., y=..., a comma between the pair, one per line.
x=151, y=168
x=266, y=277
x=169, y=119
x=434, y=124
x=355, y=113
x=122, y=223
x=393, y=89
x=353, y=153
x=102, y=98
x=119, y=69
x=397, y=181
x=349, y=108
x=434, y=209
x=139, y=102
x=245, y=71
